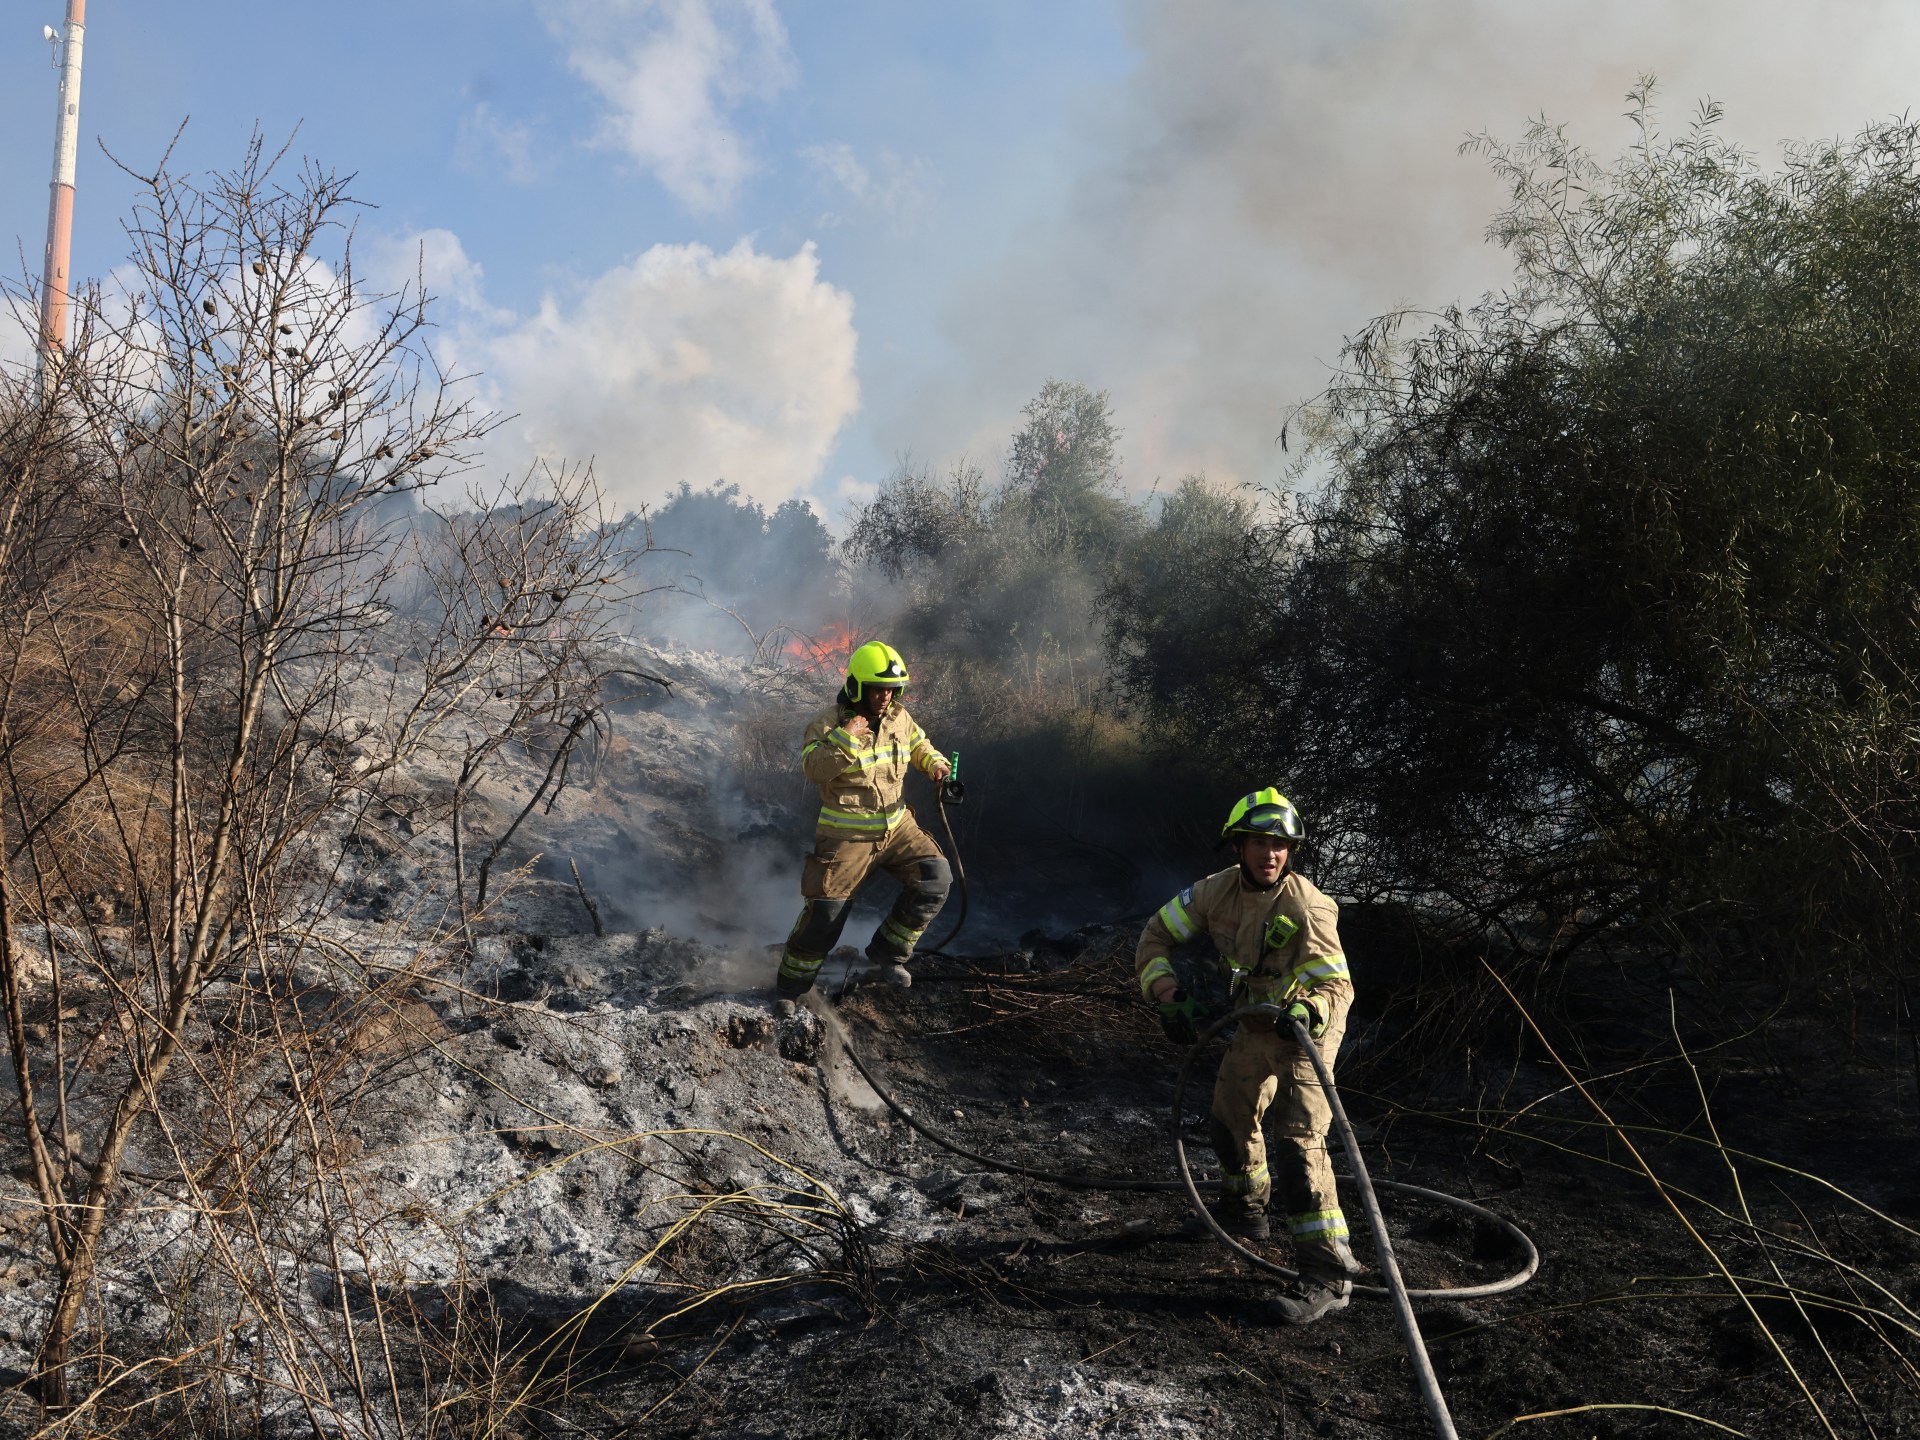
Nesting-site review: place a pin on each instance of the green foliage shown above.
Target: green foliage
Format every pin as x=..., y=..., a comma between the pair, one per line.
x=1177, y=605
x=740, y=545
x=725, y=569
x=1063, y=472
x=916, y=522
x=1008, y=576
x=1610, y=603
x=999, y=609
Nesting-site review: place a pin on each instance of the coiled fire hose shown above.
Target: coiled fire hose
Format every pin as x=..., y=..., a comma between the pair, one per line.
x=1366, y=1182
x=1396, y=1289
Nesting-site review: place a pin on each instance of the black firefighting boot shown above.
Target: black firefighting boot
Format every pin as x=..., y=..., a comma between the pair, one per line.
x=798, y=970
x=1308, y=1298
x=1325, y=1284
x=813, y=935
x=889, y=963
x=1243, y=1223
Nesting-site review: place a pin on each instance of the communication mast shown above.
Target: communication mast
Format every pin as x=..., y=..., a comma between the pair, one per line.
x=55, y=280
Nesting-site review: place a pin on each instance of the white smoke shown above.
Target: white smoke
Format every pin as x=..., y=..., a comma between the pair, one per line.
x=1273, y=173
x=18, y=327
x=894, y=190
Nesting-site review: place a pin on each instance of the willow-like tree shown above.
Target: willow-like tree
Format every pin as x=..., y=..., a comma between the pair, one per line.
x=1605, y=601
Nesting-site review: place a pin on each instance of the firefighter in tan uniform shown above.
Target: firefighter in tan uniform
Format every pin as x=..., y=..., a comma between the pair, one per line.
x=1278, y=937
x=858, y=751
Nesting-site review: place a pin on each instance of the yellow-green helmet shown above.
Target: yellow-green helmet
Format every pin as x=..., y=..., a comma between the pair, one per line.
x=877, y=664
x=1264, y=812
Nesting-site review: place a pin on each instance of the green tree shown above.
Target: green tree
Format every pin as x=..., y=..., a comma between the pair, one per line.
x=725, y=571
x=1010, y=575
x=995, y=592
x=1608, y=605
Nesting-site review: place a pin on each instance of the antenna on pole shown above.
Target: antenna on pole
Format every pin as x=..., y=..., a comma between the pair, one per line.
x=55, y=280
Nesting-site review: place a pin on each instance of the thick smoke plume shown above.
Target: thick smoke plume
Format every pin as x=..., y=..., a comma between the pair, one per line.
x=1269, y=175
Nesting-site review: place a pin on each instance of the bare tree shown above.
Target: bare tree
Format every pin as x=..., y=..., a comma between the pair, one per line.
x=227, y=625
x=512, y=570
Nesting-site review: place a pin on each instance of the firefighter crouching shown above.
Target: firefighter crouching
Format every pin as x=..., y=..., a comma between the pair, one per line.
x=857, y=751
x=1277, y=935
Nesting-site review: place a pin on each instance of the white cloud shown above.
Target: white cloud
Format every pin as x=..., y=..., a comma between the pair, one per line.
x=685, y=364
x=839, y=164
x=492, y=146
x=893, y=188
x=848, y=493
x=436, y=260
x=672, y=73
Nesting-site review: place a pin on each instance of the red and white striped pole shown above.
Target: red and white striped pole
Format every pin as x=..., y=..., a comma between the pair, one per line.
x=54, y=281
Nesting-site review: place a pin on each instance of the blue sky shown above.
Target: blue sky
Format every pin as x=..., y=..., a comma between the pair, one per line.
x=786, y=243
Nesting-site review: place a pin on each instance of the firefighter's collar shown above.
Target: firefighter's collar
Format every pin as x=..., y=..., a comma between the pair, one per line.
x=1267, y=890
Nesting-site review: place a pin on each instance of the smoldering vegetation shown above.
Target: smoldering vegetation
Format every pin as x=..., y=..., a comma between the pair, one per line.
x=233, y=649
x=997, y=587
x=1589, y=605
x=716, y=571
x=1607, y=611
x=1590, y=617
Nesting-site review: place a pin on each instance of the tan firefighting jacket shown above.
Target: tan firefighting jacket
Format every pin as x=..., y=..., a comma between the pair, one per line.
x=861, y=780
x=1276, y=943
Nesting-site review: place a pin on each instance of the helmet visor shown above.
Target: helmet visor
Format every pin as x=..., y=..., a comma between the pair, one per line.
x=1276, y=820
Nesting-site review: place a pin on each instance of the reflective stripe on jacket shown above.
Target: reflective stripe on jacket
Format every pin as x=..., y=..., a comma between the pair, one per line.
x=861, y=780
x=1276, y=943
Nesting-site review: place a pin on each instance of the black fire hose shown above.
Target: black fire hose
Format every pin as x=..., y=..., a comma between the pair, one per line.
x=1396, y=1287
x=1052, y=1177
x=1192, y=1187
x=1462, y=1292
x=951, y=792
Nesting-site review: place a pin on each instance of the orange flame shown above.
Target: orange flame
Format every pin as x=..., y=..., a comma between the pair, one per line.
x=825, y=652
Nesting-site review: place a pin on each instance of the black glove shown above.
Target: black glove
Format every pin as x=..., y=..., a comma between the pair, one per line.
x=1177, y=1016
x=1310, y=1013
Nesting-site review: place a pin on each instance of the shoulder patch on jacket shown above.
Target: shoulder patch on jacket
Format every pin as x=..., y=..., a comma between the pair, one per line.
x=1177, y=916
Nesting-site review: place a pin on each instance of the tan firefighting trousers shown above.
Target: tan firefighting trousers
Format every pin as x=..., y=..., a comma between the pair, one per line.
x=836, y=869
x=1264, y=1064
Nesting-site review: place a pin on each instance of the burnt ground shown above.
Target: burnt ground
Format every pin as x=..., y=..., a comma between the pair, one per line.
x=532, y=1152
x=1046, y=1311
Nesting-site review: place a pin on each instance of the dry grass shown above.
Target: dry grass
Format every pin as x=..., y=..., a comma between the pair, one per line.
x=196, y=564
